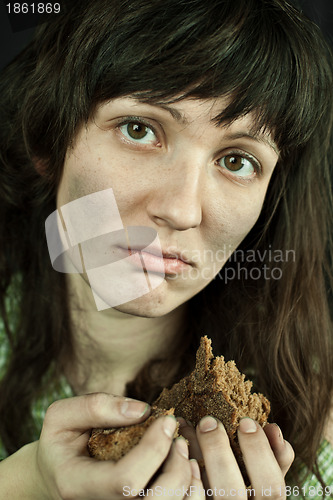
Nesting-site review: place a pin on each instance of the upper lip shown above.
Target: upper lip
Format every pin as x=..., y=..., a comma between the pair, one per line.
x=176, y=255
x=167, y=254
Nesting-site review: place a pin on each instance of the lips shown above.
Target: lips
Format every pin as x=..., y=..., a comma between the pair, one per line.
x=155, y=260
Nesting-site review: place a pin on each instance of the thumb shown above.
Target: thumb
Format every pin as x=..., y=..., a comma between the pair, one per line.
x=99, y=409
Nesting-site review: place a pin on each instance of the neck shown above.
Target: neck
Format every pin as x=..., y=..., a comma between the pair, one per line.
x=111, y=346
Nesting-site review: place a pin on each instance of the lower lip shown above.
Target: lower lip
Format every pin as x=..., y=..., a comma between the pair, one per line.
x=154, y=263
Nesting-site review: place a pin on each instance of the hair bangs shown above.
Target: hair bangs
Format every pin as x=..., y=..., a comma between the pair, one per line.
x=255, y=56
x=262, y=55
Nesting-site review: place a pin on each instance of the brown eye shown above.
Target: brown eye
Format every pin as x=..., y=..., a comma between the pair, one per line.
x=238, y=164
x=233, y=162
x=138, y=132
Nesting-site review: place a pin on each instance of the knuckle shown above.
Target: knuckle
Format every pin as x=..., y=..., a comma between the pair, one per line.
x=290, y=452
x=179, y=466
x=215, y=441
x=95, y=404
x=213, y=447
x=159, y=447
x=287, y=457
x=52, y=412
x=180, y=477
x=186, y=472
x=258, y=446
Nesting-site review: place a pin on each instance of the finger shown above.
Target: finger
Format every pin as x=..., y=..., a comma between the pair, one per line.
x=261, y=465
x=282, y=450
x=189, y=433
x=103, y=410
x=176, y=475
x=90, y=478
x=196, y=490
x=221, y=466
x=144, y=460
x=187, y=430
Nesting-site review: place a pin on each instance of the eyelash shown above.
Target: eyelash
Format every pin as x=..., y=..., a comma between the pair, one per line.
x=140, y=121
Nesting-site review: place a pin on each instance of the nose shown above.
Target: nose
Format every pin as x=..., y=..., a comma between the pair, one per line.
x=177, y=202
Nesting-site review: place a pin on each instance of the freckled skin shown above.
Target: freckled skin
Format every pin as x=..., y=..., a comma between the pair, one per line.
x=174, y=184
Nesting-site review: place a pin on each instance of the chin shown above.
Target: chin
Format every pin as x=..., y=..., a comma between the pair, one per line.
x=149, y=307
x=157, y=303
x=160, y=301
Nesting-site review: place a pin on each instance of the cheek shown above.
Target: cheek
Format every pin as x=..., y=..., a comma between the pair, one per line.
x=83, y=174
x=232, y=220
x=246, y=216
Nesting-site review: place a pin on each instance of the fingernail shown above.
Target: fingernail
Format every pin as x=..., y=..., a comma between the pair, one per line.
x=247, y=425
x=169, y=425
x=182, y=447
x=207, y=424
x=131, y=408
x=195, y=468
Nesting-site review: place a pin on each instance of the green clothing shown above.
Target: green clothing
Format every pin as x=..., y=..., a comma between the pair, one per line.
x=310, y=487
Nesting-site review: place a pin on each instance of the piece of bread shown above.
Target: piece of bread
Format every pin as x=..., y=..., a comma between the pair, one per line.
x=113, y=444
x=214, y=388
x=218, y=389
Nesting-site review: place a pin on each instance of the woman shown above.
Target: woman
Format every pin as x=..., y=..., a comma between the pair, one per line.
x=212, y=124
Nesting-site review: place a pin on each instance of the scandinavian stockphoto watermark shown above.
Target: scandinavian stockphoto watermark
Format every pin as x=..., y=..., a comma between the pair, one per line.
x=241, y=264
x=255, y=264
x=87, y=236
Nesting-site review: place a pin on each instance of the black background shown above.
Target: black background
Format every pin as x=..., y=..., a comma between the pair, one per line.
x=15, y=32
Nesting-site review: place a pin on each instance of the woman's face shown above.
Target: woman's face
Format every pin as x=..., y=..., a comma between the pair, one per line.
x=171, y=168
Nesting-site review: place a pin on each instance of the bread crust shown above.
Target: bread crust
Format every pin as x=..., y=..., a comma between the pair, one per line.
x=215, y=388
x=114, y=443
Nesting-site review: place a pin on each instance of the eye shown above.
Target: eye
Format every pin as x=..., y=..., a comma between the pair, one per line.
x=239, y=165
x=138, y=132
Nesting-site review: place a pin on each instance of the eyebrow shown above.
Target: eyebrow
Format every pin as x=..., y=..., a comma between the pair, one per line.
x=182, y=119
x=254, y=137
x=177, y=115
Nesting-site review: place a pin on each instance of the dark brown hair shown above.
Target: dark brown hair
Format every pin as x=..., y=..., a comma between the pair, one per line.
x=268, y=59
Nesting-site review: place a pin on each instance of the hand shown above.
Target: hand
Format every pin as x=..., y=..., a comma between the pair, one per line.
x=266, y=455
x=66, y=470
